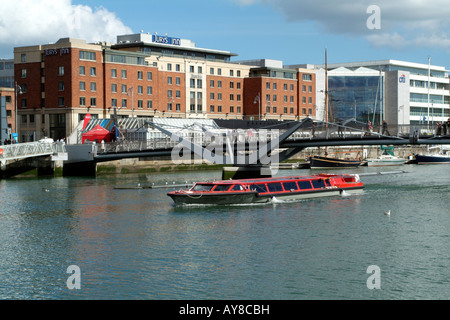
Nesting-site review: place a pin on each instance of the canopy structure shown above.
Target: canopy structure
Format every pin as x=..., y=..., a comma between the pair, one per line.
x=97, y=134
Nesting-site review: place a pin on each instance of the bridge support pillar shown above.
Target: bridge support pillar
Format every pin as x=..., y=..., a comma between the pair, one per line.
x=45, y=167
x=80, y=169
x=247, y=172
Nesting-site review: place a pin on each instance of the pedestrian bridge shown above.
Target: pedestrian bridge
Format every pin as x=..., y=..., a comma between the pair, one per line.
x=237, y=143
x=22, y=157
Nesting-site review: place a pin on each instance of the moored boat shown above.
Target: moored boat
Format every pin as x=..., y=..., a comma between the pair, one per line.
x=318, y=162
x=261, y=190
x=385, y=160
x=433, y=159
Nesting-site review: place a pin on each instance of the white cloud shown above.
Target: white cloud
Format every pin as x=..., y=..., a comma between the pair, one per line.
x=403, y=22
x=31, y=22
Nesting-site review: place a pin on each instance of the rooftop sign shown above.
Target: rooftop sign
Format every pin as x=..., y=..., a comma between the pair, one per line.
x=166, y=40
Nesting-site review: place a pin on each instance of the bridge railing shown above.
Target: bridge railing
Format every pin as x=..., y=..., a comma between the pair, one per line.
x=30, y=149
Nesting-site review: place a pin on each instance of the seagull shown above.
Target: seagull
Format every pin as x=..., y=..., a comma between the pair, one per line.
x=45, y=190
x=388, y=213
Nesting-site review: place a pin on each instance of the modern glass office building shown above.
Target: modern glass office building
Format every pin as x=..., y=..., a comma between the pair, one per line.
x=403, y=93
x=355, y=95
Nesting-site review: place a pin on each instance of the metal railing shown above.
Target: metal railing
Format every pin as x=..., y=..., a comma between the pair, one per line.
x=30, y=149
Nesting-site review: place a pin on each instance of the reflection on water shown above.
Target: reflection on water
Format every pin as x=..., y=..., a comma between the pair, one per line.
x=135, y=244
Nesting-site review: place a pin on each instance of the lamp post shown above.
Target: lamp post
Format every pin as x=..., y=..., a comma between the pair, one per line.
x=18, y=89
x=258, y=99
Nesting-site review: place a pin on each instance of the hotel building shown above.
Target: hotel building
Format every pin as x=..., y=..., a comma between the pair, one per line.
x=148, y=75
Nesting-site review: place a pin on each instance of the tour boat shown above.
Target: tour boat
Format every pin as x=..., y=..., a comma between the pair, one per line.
x=261, y=190
x=317, y=162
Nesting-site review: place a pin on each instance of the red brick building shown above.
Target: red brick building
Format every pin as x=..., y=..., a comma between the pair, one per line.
x=145, y=75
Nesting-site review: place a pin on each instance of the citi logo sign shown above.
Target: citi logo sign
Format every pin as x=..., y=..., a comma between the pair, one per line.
x=402, y=79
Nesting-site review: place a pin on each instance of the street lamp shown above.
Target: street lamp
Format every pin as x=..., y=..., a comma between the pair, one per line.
x=258, y=99
x=17, y=88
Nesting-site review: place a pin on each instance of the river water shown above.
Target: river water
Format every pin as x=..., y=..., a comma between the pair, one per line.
x=134, y=244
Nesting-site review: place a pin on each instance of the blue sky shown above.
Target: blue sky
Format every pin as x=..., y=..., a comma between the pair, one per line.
x=294, y=31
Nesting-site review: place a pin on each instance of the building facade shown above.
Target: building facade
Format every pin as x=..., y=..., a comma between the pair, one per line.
x=147, y=75
x=402, y=93
x=7, y=114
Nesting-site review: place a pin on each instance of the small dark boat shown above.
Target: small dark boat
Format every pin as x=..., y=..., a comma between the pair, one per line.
x=318, y=162
x=262, y=190
x=433, y=159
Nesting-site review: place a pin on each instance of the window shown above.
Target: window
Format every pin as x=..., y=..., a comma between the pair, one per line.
x=307, y=77
x=82, y=101
x=140, y=90
x=304, y=185
x=290, y=185
x=61, y=85
x=113, y=73
x=169, y=80
x=211, y=83
x=140, y=104
x=222, y=187
x=200, y=70
x=149, y=104
x=93, y=71
x=124, y=103
x=199, y=83
x=113, y=102
x=124, y=88
x=24, y=73
x=219, y=84
x=149, y=90
x=219, y=71
x=261, y=188
x=60, y=71
x=82, y=86
x=86, y=55
x=114, y=88
x=275, y=187
x=169, y=67
x=318, y=184
x=231, y=73
x=93, y=86
x=93, y=102
x=61, y=101
x=82, y=70
x=177, y=81
x=149, y=76
x=211, y=108
x=177, y=67
x=124, y=74
x=23, y=57
x=231, y=85
x=268, y=85
x=211, y=70
x=140, y=75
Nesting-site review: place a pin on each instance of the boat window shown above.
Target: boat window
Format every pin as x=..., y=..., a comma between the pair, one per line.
x=304, y=185
x=290, y=185
x=261, y=188
x=275, y=187
x=318, y=183
x=203, y=187
x=222, y=187
x=327, y=182
x=237, y=187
